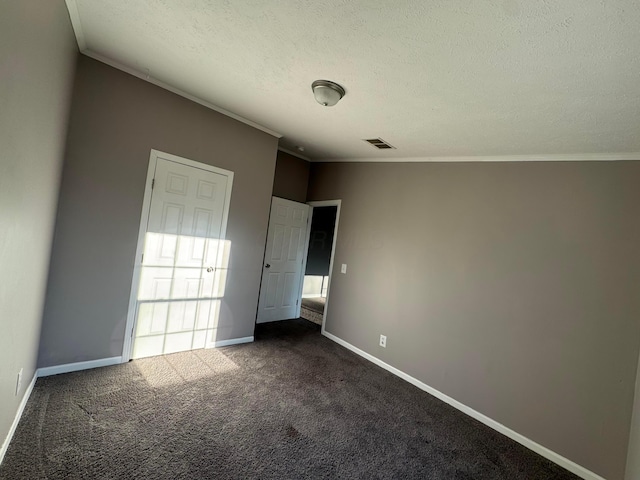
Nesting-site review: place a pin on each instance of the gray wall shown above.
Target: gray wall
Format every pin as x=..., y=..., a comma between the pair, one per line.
x=116, y=119
x=37, y=59
x=291, y=177
x=511, y=287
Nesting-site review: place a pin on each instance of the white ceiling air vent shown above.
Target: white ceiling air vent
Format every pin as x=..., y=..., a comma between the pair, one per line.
x=379, y=143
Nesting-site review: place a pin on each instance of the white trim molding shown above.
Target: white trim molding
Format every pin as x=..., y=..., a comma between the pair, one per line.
x=127, y=347
x=295, y=154
x=74, y=367
x=328, y=203
x=16, y=420
x=159, y=83
x=521, y=439
x=572, y=157
x=76, y=23
x=232, y=341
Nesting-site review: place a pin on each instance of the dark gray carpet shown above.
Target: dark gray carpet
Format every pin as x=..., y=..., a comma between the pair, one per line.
x=291, y=405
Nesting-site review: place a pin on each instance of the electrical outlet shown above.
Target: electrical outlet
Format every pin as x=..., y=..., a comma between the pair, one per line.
x=383, y=341
x=19, y=382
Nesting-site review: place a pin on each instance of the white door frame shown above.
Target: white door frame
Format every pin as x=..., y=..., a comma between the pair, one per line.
x=321, y=203
x=127, y=347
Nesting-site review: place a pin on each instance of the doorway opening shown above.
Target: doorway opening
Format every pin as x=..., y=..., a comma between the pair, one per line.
x=300, y=247
x=315, y=289
x=315, y=284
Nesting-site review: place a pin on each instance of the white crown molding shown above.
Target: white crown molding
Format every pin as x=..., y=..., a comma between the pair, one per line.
x=569, y=157
x=177, y=91
x=74, y=15
x=291, y=152
x=556, y=458
x=76, y=23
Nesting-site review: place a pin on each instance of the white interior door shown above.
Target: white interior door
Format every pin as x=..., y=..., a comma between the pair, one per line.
x=282, y=269
x=184, y=262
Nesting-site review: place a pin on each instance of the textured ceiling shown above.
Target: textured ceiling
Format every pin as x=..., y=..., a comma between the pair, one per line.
x=438, y=78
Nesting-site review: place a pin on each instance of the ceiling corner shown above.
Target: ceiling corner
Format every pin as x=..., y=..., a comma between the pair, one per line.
x=74, y=15
x=295, y=154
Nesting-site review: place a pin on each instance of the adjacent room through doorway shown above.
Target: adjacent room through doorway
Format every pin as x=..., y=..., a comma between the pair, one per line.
x=316, y=275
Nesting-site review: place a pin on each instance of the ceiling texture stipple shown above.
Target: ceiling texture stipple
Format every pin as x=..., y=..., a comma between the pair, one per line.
x=444, y=78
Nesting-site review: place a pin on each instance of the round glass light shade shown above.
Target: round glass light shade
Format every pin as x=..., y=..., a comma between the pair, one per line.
x=327, y=93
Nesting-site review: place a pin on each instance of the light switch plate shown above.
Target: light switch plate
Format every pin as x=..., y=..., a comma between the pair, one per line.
x=343, y=269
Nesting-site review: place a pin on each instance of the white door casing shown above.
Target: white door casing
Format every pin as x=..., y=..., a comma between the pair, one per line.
x=338, y=205
x=182, y=258
x=282, y=270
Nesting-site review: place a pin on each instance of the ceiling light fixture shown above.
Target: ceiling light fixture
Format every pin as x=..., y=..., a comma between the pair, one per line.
x=327, y=93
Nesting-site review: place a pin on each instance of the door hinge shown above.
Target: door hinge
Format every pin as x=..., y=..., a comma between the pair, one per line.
x=153, y=182
x=297, y=302
x=142, y=259
x=131, y=332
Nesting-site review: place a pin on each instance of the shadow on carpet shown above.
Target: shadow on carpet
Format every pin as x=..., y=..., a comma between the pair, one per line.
x=291, y=405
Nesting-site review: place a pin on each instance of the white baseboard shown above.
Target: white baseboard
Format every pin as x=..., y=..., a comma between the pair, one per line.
x=45, y=372
x=521, y=439
x=74, y=367
x=16, y=420
x=232, y=341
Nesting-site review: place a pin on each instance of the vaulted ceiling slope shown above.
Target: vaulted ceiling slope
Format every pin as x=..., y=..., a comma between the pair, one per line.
x=437, y=78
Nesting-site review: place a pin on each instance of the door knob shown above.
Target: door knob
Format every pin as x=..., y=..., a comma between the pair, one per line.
x=267, y=266
x=209, y=269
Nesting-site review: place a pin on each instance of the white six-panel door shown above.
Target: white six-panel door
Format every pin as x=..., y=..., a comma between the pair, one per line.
x=183, y=268
x=282, y=269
